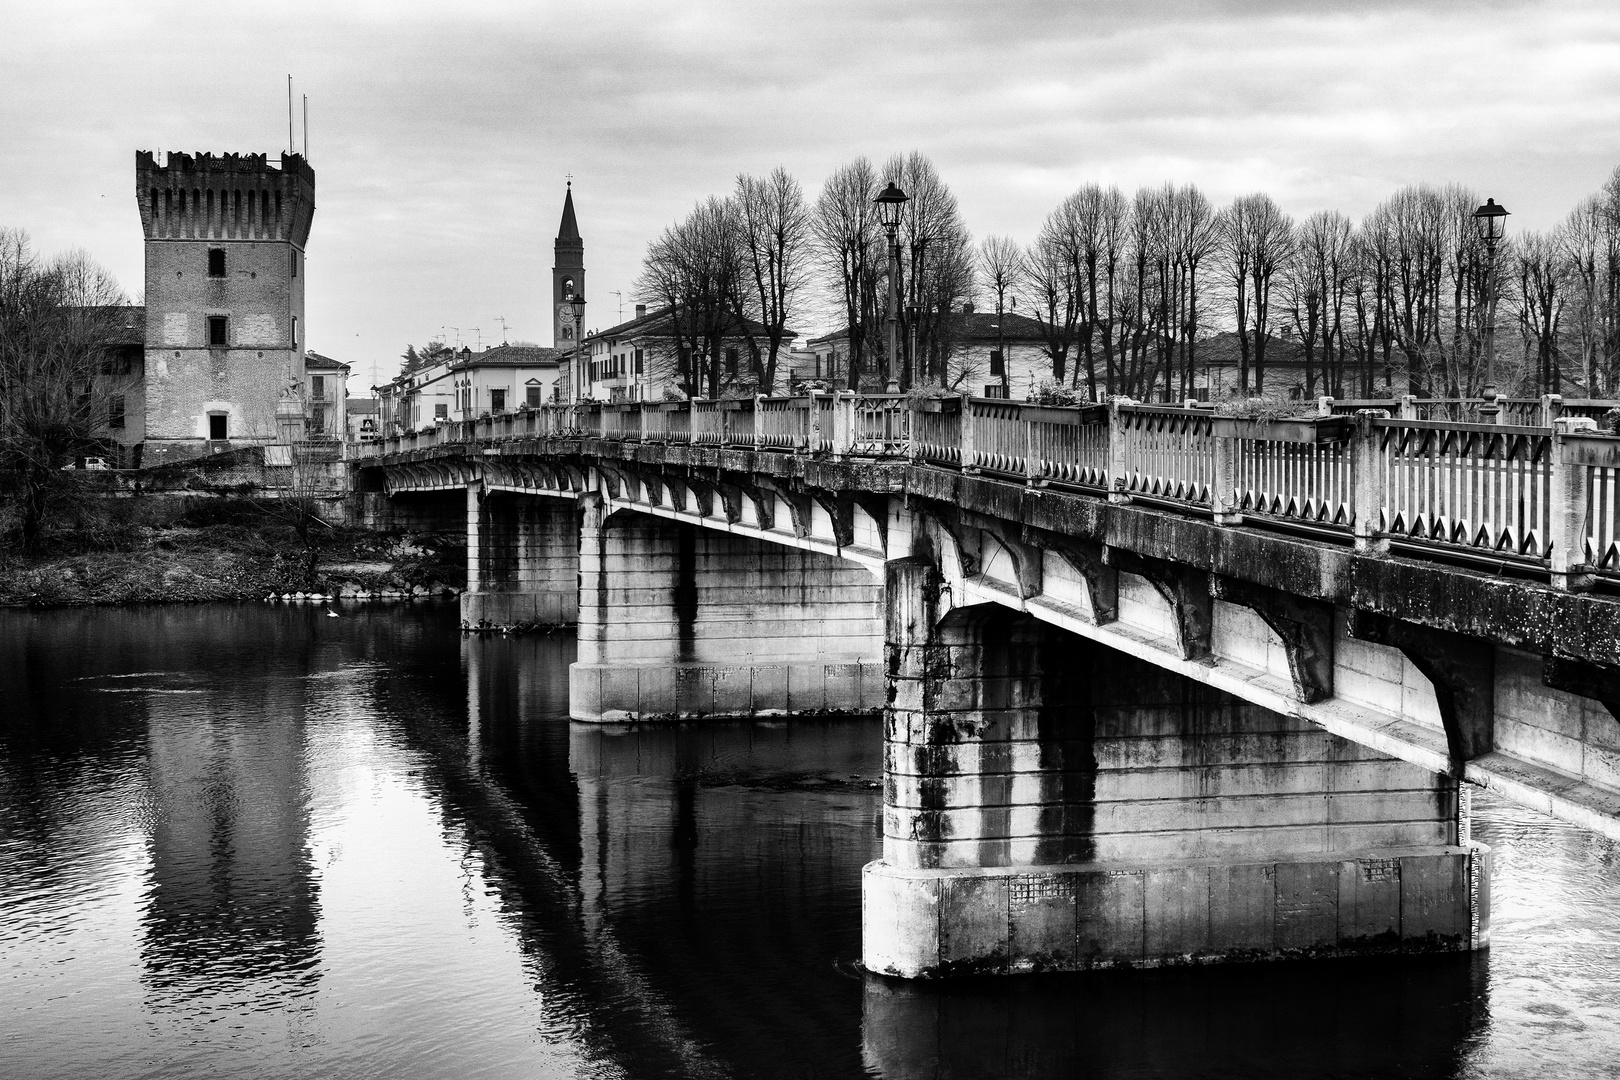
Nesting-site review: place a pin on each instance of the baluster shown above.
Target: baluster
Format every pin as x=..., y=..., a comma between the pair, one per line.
x=1223, y=485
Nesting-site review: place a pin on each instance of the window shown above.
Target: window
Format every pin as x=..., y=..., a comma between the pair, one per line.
x=731, y=361
x=317, y=387
x=216, y=330
x=532, y=395
x=997, y=365
x=497, y=400
x=317, y=419
x=441, y=411
x=641, y=362
x=216, y=426
x=567, y=332
x=295, y=262
x=683, y=362
x=216, y=262
x=295, y=332
x=115, y=411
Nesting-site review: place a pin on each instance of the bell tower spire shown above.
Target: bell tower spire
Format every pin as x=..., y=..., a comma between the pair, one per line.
x=567, y=273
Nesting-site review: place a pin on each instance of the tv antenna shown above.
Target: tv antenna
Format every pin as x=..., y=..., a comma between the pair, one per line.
x=505, y=329
x=478, y=332
x=620, y=295
x=457, y=329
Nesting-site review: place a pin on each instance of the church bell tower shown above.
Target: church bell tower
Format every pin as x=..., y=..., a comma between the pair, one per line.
x=567, y=274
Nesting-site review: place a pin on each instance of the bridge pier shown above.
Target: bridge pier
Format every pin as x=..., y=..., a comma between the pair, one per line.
x=1052, y=804
x=522, y=559
x=679, y=621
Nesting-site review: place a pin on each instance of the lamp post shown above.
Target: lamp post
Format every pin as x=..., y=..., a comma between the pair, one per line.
x=1489, y=219
x=890, y=202
x=577, y=302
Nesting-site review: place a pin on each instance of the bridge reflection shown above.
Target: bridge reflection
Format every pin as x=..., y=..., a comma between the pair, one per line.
x=712, y=880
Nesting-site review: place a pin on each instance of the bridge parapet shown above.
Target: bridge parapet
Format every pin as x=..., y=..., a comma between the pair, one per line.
x=1538, y=498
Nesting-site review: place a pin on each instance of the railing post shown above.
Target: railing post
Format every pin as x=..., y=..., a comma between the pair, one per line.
x=1367, y=481
x=969, y=438
x=1324, y=406
x=1552, y=406
x=1223, y=495
x=1118, y=453
x=1409, y=409
x=759, y=420
x=843, y=440
x=1568, y=509
x=910, y=410
x=814, y=421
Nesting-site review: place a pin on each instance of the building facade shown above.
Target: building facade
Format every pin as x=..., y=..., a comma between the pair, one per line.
x=224, y=319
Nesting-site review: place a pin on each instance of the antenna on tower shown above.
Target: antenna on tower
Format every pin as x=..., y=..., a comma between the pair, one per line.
x=289, y=114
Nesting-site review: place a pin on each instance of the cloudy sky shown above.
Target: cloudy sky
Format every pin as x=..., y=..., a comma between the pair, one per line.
x=441, y=133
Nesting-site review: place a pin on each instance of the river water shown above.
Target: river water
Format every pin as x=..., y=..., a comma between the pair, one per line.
x=252, y=841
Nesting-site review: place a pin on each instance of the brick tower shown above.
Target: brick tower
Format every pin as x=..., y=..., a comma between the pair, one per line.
x=567, y=274
x=225, y=240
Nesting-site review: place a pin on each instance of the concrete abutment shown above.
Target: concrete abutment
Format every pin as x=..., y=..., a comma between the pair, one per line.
x=522, y=559
x=1051, y=804
x=680, y=621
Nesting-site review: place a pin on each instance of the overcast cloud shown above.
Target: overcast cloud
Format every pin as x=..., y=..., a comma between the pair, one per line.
x=440, y=134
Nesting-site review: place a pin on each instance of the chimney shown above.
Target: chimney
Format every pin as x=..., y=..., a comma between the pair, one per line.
x=641, y=311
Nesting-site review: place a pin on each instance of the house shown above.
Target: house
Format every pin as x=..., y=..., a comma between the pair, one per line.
x=499, y=379
x=362, y=424
x=651, y=356
x=989, y=356
x=326, y=396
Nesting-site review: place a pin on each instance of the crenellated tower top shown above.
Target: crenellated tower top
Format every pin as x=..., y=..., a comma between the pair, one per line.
x=225, y=197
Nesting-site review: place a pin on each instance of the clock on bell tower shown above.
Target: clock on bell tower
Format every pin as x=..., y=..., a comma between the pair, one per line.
x=567, y=274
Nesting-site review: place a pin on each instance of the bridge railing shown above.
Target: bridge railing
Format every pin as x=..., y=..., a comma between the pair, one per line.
x=1538, y=495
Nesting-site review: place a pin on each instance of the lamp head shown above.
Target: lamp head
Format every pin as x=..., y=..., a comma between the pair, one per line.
x=1489, y=219
x=890, y=201
x=577, y=302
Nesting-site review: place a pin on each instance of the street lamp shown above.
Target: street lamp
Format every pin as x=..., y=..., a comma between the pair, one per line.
x=577, y=302
x=1490, y=219
x=890, y=202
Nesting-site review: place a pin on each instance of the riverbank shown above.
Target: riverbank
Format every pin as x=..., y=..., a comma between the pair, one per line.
x=195, y=551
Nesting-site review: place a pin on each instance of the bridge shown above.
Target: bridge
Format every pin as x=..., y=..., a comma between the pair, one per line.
x=1158, y=686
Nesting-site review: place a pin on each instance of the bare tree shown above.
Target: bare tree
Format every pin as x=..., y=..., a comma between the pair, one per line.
x=1052, y=293
x=1256, y=239
x=1001, y=272
x=696, y=271
x=1316, y=287
x=58, y=319
x=1542, y=270
x=937, y=274
x=775, y=240
x=849, y=246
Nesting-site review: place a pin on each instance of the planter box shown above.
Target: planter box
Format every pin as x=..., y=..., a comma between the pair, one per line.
x=946, y=405
x=1291, y=429
x=1592, y=450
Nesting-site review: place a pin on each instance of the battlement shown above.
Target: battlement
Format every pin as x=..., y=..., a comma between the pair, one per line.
x=207, y=196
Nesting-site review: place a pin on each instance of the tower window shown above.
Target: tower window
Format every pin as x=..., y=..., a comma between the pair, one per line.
x=295, y=331
x=216, y=426
x=216, y=330
x=295, y=262
x=216, y=262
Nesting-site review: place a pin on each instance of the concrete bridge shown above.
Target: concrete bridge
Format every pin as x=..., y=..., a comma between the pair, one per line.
x=1158, y=686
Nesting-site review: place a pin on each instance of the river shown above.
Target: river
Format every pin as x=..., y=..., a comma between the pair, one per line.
x=255, y=841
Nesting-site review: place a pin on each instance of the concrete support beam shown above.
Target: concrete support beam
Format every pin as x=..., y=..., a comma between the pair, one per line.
x=1087, y=559
x=1462, y=669
x=524, y=551
x=1305, y=627
x=1598, y=681
x=1185, y=589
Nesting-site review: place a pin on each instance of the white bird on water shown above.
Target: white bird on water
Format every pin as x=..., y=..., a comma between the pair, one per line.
x=330, y=614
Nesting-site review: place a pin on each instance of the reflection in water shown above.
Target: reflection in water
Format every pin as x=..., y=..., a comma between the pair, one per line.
x=246, y=841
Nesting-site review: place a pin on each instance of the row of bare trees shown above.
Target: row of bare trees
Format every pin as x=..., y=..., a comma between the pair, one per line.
x=1147, y=295
x=738, y=274
x=1126, y=291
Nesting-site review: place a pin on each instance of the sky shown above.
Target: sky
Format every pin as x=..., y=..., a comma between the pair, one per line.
x=441, y=134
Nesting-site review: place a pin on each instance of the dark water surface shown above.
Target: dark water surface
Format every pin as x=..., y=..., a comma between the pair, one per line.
x=243, y=841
